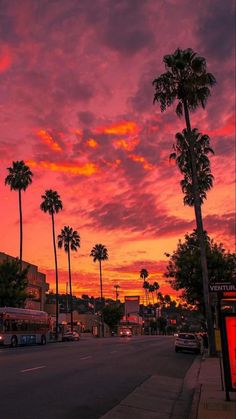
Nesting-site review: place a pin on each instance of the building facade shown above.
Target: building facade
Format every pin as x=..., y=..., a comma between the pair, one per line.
x=37, y=285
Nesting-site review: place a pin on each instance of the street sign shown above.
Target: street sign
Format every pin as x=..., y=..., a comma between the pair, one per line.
x=222, y=287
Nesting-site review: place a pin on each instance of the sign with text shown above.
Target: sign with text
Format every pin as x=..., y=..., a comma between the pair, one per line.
x=222, y=287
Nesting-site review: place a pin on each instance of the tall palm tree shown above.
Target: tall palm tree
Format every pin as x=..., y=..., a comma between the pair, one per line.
x=19, y=178
x=71, y=241
x=53, y=204
x=99, y=252
x=187, y=81
x=152, y=289
x=144, y=275
x=181, y=155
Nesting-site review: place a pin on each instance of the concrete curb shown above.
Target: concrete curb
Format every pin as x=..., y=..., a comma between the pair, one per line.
x=195, y=402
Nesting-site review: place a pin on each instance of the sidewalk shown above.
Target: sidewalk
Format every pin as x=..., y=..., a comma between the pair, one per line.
x=197, y=396
x=212, y=402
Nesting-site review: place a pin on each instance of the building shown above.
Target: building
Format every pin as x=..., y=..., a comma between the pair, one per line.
x=37, y=285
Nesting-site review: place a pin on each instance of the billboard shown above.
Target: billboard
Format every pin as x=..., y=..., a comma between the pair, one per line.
x=131, y=306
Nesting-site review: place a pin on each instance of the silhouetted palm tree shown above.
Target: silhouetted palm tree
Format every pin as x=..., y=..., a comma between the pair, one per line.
x=144, y=275
x=19, y=178
x=117, y=292
x=156, y=288
x=181, y=155
x=187, y=81
x=71, y=241
x=152, y=289
x=99, y=252
x=53, y=204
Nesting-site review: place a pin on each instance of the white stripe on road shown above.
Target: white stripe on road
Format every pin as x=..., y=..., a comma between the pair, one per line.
x=86, y=357
x=33, y=369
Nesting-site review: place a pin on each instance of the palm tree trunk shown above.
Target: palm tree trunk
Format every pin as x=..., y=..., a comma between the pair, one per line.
x=21, y=229
x=100, y=269
x=201, y=236
x=56, y=272
x=70, y=285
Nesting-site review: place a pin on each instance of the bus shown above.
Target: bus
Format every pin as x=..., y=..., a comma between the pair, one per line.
x=19, y=326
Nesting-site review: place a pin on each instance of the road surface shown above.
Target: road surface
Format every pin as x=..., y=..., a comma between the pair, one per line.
x=82, y=380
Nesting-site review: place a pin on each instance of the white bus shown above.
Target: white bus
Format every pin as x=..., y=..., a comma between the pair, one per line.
x=19, y=326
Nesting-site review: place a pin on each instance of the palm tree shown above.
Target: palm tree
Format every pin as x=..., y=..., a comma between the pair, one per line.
x=152, y=289
x=19, y=178
x=53, y=204
x=144, y=275
x=71, y=241
x=187, y=81
x=99, y=252
x=181, y=155
x=117, y=292
x=156, y=287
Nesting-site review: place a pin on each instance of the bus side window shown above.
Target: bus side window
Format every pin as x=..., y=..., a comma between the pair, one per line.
x=7, y=325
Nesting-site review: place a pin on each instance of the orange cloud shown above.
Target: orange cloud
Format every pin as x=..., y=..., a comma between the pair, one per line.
x=140, y=159
x=48, y=139
x=128, y=144
x=5, y=59
x=92, y=143
x=87, y=169
x=120, y=128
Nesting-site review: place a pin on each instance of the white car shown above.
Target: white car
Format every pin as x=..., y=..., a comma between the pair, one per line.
x=188, y=342
x=126, y=332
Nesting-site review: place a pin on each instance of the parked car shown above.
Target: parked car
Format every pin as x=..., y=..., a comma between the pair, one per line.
x=70, y=336
x=188, y=342
x=126, y=332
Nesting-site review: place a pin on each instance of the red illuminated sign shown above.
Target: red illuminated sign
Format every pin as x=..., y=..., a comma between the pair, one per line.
x=230, y=323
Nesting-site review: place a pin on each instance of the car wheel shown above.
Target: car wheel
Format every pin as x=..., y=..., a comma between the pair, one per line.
x=176, y=349
x=43, y=340
x=14, y=342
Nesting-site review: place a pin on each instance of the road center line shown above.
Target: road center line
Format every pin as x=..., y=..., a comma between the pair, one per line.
x=86, y=357
x=33, y=369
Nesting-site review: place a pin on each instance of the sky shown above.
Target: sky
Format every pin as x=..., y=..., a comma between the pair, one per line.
x=76, y=104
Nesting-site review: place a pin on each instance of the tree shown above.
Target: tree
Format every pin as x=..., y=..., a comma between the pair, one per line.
x=156, y=288
x=112, y=314
x=19, y=178
x=99, y=252
x=70, y=239
x=144, y=275
x=152, y=289
x=117, y=292
x=181, y=154
x=53, y=204
x=187, y=81
x=13, y=284
x=184, y=269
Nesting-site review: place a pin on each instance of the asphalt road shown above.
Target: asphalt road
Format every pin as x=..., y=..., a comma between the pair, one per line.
x=82, y=380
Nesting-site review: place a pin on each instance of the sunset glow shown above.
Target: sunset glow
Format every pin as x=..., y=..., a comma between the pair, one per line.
x=76, y=100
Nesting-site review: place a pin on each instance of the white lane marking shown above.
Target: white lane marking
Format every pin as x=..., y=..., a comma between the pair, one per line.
x=33, y=369
x=86, y=357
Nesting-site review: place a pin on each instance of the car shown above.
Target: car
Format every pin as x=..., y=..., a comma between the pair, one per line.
x=70, y=336
x=188, y=342
x=125, y=332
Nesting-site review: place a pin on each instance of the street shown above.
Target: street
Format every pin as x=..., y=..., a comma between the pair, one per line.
x=85, y=379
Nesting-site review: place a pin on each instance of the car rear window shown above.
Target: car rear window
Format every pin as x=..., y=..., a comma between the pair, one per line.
x=186, y=336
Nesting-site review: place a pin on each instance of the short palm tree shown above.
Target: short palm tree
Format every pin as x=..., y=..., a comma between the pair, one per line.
x=53, y=204
x=19, y=178
x=99, y=252
x=156, y=288
x=188, y=82
x=144, y=275
x=70, y=239
x=117, y=292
